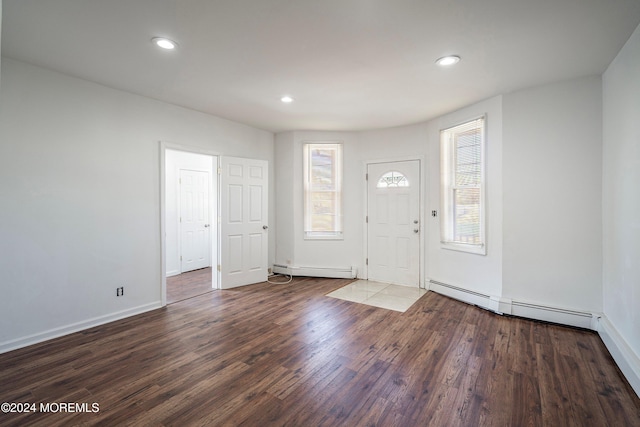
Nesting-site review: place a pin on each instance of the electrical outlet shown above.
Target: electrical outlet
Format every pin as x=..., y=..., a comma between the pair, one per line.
x=120, y=291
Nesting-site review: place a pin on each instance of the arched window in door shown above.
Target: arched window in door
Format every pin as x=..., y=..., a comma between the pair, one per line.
x=392, y=179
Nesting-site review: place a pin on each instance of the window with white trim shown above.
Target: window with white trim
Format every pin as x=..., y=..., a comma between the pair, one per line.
x=322, y=190
x=462, y=187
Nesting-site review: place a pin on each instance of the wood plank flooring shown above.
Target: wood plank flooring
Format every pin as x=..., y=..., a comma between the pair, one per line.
x=286, y=355
x=188, y=285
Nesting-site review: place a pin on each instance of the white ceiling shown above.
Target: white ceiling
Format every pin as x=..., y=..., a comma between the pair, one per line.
x=350, y=64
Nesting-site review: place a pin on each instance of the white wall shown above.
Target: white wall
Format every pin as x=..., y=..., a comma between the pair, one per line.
x=359, y=147
x=175, y=161
x=552, y=195
x=0, y=42
x=398, y=143
x=292, y=248
x=80, y=191
x=284, y=180
x=477, y=273
x=621, y=206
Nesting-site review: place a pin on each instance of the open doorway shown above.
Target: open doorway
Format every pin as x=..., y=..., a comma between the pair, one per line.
x=190, y=232
x=188, y=285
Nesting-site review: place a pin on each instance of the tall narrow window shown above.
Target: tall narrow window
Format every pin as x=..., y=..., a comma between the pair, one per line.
x=462, y=163
x=323, y=191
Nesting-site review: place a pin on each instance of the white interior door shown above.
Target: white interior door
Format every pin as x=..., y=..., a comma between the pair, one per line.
x=244, y=231
x=195, y=235
x=393, y=227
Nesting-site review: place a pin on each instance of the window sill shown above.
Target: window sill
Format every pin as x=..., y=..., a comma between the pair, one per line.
x=461, y=247
x=325, y=237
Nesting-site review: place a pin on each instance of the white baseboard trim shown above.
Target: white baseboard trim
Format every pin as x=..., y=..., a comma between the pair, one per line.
x=626, y=359
x=75, y=327
x=331, y=272
x=172, y=273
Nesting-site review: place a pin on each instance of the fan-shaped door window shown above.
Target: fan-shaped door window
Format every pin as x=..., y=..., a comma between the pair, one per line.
x=393, y=179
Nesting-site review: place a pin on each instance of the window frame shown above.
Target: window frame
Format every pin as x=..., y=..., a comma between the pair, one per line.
x=337, y=232
x=448, y=188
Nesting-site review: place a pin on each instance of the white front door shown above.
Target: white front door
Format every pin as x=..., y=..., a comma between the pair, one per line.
x=244, y=234
x=195, y=236
x=393, y=227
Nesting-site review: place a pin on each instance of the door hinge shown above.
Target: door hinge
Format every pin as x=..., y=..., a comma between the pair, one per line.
x=179, y=180
x=219, y=171
x=366, y=219
x=366, y=261
x=219, y=267
x=180, y=257
x=366, y=177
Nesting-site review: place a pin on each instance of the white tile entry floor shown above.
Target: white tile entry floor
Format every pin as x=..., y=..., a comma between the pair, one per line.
x=383, y=295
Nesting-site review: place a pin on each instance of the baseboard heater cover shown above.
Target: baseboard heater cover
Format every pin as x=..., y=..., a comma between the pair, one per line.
x=330, y=272
x=580, y=319
x=465, y=295
x=563, y=316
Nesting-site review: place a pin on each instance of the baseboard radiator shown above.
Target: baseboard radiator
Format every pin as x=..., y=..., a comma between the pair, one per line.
x=466, y=295
x=581, y=319
x=330, y=272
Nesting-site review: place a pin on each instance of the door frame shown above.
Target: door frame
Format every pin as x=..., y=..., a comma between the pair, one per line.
x=214, y=201
x=423, y=225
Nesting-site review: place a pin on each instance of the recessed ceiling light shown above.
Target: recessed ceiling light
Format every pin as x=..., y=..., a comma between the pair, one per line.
x=448, y=60
x=286, y=99
x=164, y=43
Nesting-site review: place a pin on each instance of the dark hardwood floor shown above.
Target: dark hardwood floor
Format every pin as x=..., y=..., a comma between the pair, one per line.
x=286, y=355
x=188, y=285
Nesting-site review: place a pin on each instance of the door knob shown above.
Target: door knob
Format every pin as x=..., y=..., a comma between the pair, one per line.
x=264, y=227
x=415, y=230
x=206, y=225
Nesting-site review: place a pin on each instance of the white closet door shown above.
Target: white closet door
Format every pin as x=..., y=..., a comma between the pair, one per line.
x=195, y=231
